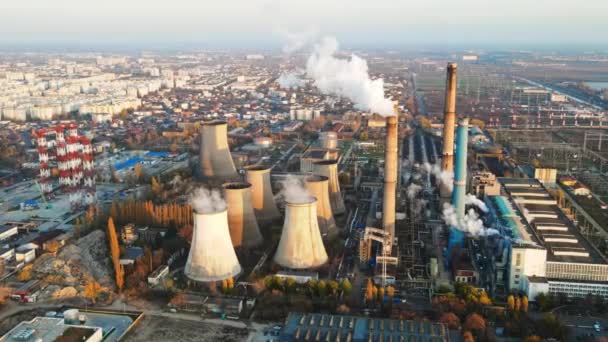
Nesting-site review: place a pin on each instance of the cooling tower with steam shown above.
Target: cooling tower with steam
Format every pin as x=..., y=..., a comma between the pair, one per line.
x=215, y=159
x=244, y=230
x=329, y=169
x=449, y=122
x=460, y=182
x=318, y=187
x=390, y=174
x=301, y=245
x=261, y=193
x=211, y=257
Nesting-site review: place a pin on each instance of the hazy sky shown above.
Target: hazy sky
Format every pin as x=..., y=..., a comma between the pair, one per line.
x=251, y=23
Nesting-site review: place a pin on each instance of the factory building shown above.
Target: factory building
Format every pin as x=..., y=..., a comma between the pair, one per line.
x=322, y=327
x=546, y=253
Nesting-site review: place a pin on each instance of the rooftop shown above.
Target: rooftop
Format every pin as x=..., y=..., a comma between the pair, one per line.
x=550, y=227
x=48, y=329
x=322, y=327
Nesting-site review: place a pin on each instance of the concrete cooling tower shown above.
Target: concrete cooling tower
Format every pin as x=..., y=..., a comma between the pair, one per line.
x=261, y=191
x=329, y=169
x=244, y=230
x=301, y=245
x=215, y=159
x=318, y=187
x=211, y=256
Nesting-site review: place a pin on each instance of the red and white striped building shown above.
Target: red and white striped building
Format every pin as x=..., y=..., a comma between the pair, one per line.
x=73, y=156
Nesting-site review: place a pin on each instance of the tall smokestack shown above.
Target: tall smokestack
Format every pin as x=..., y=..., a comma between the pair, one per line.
x=211, y=256
x=391, y=154
x=329, y=169
x=244, y=230
x=261, y=192
x=460, y=181
x=215, y=159
x=318, y=186
x=301, y=245
x=449, y=119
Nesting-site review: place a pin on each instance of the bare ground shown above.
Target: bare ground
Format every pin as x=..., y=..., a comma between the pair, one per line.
x=155, y=328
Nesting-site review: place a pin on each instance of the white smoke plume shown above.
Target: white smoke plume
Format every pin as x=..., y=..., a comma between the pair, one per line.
x=470, y=223
x=290, y=80
x=471, y=199
x=444, y=178
x=295, y=41
x=412, y=190
x=347, y=78
x=205, y=201
x=294, y=191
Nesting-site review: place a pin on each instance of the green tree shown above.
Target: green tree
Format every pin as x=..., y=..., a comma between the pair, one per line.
x=346, y=287
x=322, y=288
x=333, y=287
x=290, y=285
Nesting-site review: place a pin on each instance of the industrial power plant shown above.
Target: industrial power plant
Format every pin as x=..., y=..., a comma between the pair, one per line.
x=308, y=193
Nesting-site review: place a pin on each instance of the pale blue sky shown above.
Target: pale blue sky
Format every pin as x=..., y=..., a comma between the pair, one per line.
x=251, y=23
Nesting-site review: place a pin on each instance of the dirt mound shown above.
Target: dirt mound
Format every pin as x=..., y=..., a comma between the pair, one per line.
x=78, y=263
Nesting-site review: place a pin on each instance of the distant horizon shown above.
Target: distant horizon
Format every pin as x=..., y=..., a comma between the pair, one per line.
x=543, y=25
x=275, y=48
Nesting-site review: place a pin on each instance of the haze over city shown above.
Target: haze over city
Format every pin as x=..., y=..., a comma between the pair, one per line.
x=557, y=24
x=277, y=171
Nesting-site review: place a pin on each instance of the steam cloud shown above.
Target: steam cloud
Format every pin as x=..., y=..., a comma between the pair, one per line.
x=295, y=41
x=348, y=78
x=444, y=178
x=413, y=190
x=290, y=80
x=470, y=223
x=294, y=191
x=205, y=201
x=471, y=199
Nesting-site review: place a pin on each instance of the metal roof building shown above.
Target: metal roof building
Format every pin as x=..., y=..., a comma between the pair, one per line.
x=325, y=327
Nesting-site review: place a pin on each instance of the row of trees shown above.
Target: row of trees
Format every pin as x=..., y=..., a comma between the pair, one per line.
x=375, y=294
x=147, y=213
x=134, y=278
x=519, y=303
x=313, y=288
x=119, y=272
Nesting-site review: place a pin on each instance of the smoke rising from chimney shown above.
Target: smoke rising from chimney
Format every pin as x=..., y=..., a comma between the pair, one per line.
x=443, y=178
x=470, y=223
x=471, y=199
x=205, y=201
x=293, y=191
x=347, y=78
